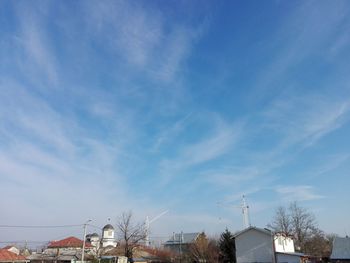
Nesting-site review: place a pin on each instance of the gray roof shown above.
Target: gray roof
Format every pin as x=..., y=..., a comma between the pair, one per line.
x=185, y=238
x=262, y=230
x=292, y=254
x=341, y=248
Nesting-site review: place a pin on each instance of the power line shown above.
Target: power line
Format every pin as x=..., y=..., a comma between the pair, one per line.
x=100, y=228
x=23, y=241
x=24, y=226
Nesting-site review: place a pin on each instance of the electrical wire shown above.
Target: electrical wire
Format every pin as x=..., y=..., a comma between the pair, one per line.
x=26, y=226
x=23, y=241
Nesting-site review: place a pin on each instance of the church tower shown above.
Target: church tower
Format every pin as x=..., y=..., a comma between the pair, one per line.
x=108, y=238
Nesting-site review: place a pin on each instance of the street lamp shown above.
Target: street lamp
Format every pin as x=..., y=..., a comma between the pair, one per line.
x=83, y=252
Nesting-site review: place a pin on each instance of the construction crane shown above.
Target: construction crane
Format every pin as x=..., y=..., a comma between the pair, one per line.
x=147, y=225
x=245, y=211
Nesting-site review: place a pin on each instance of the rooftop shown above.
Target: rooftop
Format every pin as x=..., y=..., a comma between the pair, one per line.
x=6, y=256
x=68, y=242
x=184, y=238
x=341, y=248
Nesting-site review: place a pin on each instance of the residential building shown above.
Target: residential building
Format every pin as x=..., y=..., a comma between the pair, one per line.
x=13, y=249
x=257, y=245
x=341, y=250
x=180, y=242
x=7, y=256
x=68, y=250
x=67, y=245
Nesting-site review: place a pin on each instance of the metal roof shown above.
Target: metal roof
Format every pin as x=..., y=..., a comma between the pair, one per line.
x=184, y=238
x=292, y=254
x=341, y=248
x=262, y=230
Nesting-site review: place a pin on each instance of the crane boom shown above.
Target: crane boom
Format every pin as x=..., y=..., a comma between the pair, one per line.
x=147, y=225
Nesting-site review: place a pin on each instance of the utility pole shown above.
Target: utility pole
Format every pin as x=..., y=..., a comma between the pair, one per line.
x=84, y=238
x=181, y=240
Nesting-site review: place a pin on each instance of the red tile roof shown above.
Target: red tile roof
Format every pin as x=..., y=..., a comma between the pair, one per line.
x=8, y=256
x=69, y=242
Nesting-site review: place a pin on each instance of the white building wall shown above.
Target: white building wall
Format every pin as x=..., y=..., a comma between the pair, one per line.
x=108, y=234
x=107, y=242
x=284, y=244
x=108, y=238
x=254, y=246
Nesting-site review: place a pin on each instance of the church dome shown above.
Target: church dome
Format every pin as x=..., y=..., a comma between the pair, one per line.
x=108, y=227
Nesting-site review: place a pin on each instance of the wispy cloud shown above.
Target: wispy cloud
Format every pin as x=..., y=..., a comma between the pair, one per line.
x=38, y=60
x=170, y=132
x=219, y=143
x=297, y=193
x=306, y=30
x=307, y=119
x=142, y=37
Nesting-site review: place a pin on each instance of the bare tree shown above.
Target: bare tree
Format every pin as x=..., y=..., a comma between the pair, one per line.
x=295, y=221
x=204, y=250
x=281, y=222
x=131, y=233
x=319, y=244
x=303, y=224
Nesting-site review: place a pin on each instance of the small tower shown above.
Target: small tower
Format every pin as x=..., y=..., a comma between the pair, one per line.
x=108, y=238
x=94, y=239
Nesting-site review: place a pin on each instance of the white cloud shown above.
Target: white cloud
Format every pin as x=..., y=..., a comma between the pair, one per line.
x=306, y=30
x=170, y=132
x=297, y=193
x=38, y=61
x=219, y=143
x=306, y=119
x=142, y=37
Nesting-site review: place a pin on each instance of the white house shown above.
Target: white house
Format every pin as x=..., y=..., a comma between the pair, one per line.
x=257, y=245
x=284, y=249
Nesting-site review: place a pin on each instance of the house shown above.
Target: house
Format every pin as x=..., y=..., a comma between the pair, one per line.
x=140, y=254
x=13, y=249
x=68, y=250
x=66, y=245
x=7, y=256
x=341, y=250
x=180, y=243
x=255, y=244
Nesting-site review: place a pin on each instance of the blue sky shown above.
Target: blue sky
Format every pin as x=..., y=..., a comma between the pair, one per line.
x=109, y=106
